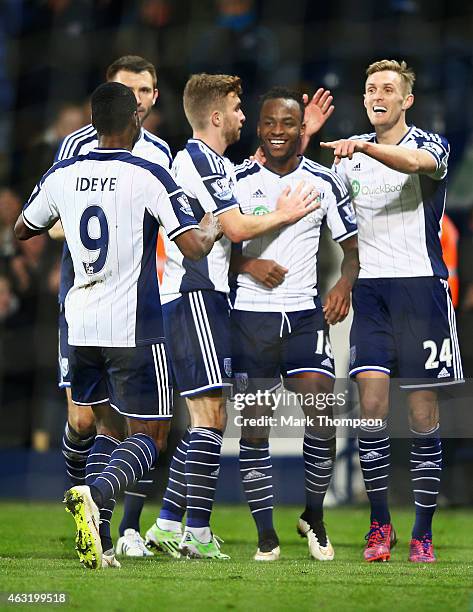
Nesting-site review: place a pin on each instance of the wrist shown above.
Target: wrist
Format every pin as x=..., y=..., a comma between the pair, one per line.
x=282, y=216
x=345, y=282
x=363, y=147
x=247, y=265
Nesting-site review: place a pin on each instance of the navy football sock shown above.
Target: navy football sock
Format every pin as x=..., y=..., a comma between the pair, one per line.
x=319, y=455
x=76, y=449
x=135, y=497
x=257, y=479
x=129, y=461
x=97, y=461
x=174, y=500
x=202, y=469
x=426, y=469
x=375, y=465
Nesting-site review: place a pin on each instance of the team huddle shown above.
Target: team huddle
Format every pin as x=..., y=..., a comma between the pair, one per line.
x=126, y=341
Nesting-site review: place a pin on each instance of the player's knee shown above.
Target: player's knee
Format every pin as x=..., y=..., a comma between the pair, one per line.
x=160, y=434
x=221, y=421
x=157, y=430
x=82, y=420
x=374, y=406
x=423, y=422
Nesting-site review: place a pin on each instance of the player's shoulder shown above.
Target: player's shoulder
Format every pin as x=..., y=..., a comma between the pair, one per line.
x=423, y=137
x=325, y=174
x=207, y=161
x=54, y=173
x=75, y=142
x=368, y=137
x=150, y=169
x=160, y=144
x=247, y=168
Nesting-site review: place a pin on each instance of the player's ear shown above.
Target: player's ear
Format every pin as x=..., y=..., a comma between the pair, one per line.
x=155, y=95
x=302, y=130
x=216, y=118
x=408, y=102
x=364, y=101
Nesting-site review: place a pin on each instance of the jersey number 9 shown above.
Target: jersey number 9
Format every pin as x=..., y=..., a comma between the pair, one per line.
x=97, y=244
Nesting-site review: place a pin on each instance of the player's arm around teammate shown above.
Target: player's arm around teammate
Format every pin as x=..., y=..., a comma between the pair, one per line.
x=117, y=348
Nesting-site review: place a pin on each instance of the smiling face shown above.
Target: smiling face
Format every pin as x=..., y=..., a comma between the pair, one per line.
x=280, y=128
x=386, y=99
x=141, y=83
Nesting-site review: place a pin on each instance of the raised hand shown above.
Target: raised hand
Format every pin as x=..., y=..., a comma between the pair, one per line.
x=317, y=110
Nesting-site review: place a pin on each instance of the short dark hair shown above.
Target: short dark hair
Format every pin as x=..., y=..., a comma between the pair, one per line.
x=131, y=63
x=113, y=105
x=276, y=93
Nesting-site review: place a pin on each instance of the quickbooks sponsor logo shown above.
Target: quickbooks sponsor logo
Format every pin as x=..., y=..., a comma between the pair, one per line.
x=260, y=210
x=357, y=188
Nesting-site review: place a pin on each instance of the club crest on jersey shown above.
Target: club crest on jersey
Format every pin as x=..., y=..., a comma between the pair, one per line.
x=222, y=188
x=185, y=205
x=227, y=366
x=241, y=381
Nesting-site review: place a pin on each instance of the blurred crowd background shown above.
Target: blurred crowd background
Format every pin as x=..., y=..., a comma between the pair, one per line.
x=53, y=53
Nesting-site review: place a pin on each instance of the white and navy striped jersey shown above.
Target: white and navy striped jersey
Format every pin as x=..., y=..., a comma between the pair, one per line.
x=148, y=146
x=207, y=179
x=294, y=246
x=398, y=215
x=111, y=205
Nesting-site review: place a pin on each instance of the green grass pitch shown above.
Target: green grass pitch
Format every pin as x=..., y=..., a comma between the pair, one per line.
x=36, y=555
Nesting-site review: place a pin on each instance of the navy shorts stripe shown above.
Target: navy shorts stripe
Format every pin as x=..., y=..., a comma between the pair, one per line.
x=197, y=329
x=135, y=380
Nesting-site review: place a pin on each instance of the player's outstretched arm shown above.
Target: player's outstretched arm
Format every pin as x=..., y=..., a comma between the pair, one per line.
x=337, y=303
x=197, y=243
x=398, y=158
x=291, y=206
x=266, y=271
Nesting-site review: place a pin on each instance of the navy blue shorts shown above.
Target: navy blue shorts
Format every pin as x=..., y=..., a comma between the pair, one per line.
x=268, y=345
x=64, y=378
x=135, y=381
x=405, y=327
x=197, y=330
